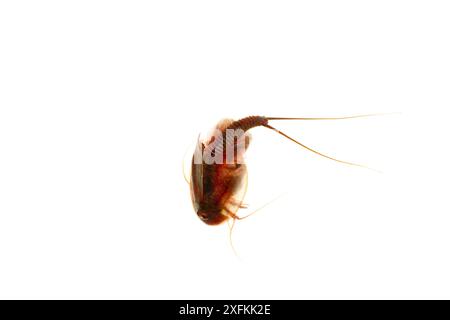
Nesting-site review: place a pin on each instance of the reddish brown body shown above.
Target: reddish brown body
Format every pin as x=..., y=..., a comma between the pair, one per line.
x=217, y=189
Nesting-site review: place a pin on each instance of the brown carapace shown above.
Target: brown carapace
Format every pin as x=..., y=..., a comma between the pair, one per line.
x=218, y=187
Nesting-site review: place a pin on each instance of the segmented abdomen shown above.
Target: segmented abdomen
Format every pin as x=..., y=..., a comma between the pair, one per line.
x=248, y=122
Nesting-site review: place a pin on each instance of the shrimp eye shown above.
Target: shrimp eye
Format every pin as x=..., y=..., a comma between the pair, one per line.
x=203, y=216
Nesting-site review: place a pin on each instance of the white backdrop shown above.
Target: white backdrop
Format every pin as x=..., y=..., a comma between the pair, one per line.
x=99, y=101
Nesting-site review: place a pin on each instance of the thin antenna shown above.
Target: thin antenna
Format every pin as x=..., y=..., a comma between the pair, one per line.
x=235, y=217
x=230, y=235
x=258, y=209
x=332, y=118
x=317, y=152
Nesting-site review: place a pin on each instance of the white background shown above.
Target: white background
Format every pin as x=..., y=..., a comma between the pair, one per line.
x=99, y=101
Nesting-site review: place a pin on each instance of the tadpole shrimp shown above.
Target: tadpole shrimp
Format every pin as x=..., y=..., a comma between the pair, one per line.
x=218, y=171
